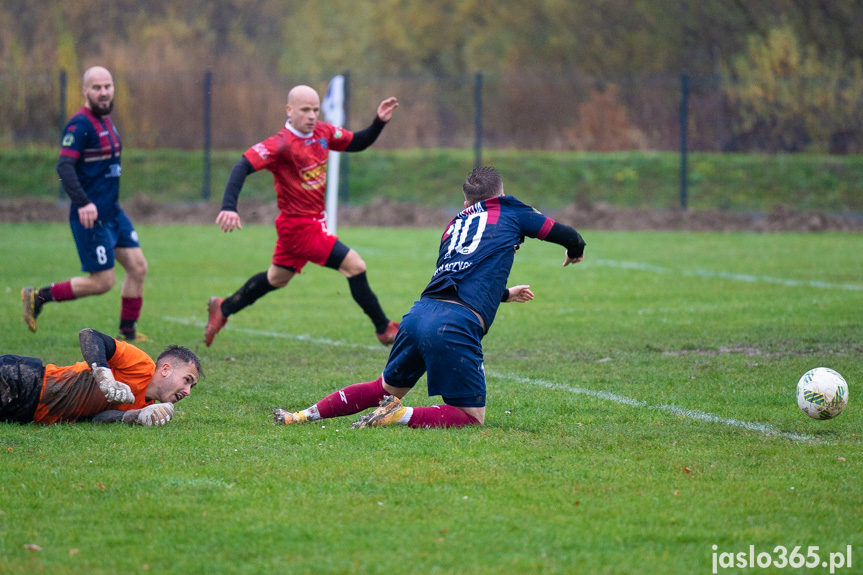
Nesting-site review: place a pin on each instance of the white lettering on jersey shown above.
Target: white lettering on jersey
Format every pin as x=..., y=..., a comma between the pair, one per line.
x=262, y=150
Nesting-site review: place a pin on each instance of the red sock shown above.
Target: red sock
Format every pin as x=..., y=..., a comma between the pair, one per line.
x=440, y=416
x=352, y=399
x=62, y=291
x=130, y=308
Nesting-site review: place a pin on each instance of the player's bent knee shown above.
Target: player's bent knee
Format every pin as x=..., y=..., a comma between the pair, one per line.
x=279, y=277
x=352, y=265
x=480, y=419
x=141, y=269
x=100, y=283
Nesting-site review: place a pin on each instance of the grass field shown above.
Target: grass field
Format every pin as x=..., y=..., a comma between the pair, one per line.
x=640, y=412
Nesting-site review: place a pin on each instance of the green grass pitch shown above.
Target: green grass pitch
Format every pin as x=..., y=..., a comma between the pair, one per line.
x=640, y=412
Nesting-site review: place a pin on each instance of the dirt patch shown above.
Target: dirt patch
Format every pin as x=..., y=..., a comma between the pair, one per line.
x=751, y=351
x=387, y=213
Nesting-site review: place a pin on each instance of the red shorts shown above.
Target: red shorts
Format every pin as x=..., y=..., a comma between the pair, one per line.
x=302, y=240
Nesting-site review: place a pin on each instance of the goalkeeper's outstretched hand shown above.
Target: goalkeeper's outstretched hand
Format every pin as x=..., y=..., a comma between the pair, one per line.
x=156, y=414
x=115, y=391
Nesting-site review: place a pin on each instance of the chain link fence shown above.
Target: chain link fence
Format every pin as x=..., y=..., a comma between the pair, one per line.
x=211, y=112
x=527, y=111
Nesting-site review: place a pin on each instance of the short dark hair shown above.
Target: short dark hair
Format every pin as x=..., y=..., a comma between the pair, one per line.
x=179, y=353
x=481, y=184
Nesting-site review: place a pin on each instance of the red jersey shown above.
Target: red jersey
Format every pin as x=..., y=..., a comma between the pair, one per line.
x=70, y=392
x=299, y=166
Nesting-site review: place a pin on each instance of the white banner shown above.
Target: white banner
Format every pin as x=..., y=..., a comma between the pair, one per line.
x=333, y=108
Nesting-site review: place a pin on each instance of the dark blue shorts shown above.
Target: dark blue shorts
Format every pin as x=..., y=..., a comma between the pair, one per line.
x=442, y=339
x=96, y=245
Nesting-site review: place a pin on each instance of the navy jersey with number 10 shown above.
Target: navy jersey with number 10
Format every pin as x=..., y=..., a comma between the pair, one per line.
x=477, y=252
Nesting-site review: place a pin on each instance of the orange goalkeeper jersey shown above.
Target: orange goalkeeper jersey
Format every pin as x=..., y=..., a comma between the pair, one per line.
x=70, y=392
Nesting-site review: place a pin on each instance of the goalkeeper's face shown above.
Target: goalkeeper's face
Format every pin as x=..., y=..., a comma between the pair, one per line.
x=172, y=381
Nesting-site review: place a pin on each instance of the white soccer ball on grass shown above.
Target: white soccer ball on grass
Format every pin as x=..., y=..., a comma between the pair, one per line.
x=822, y=393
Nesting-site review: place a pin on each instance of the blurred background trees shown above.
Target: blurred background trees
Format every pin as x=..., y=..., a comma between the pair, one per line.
x=786, y=73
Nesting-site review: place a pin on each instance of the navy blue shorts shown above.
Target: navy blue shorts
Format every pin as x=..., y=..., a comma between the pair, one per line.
x=96, y=245
x=442, y=339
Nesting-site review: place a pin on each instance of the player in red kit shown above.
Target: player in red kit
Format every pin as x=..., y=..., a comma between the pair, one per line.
x=297, y=158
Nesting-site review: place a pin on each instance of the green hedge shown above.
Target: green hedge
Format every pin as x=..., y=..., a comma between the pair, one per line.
x=548, y=180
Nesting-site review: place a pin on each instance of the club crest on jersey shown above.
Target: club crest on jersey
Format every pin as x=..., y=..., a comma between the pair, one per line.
x=338, y=133
x=323, y=143
x=68, y=140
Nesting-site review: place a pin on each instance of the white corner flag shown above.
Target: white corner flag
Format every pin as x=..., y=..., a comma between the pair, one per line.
x=333, y=107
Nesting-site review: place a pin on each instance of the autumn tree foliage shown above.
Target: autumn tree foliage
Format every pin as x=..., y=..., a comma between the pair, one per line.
x=791, y=70
x=788, y=97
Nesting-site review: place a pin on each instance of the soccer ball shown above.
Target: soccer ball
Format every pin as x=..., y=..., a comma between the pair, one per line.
x=822, y=393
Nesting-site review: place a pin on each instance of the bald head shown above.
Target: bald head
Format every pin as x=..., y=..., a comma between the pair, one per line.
x=303, y=108
x=98, y=90
x=97, y=74
x=302, y=93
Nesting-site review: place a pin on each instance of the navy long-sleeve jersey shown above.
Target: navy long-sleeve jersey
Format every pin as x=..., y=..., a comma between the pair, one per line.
x=478, y=248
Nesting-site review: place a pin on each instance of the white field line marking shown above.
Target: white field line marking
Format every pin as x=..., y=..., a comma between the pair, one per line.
x=264, y=333
x=726, y=275
x=670, y=408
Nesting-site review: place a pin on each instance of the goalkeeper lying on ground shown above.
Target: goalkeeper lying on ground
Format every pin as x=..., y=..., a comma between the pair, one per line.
x=116, y=382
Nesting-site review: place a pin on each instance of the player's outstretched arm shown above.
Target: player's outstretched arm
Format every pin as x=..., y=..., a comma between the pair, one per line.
x=88, y=213
x=367, y=136
x=228, y=221
x=569, y=260
x=115, y=391
x=229, y=218
x=111, y=416
x=156, y=414
x=387, y=107
x=519, y=294
x=96, y=349
x=569, y=238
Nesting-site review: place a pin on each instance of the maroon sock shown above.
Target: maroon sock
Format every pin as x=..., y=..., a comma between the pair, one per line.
x=440, y=416
x=130, y=308
x=62, y=291
x=352, y=399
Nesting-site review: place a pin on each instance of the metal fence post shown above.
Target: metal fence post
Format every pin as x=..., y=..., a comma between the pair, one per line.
x=477, y=123
x=208, y=131
x=64, y=82
x=684, y=129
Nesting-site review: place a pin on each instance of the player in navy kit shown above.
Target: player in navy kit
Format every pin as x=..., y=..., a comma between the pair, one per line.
x=442, y=333
x=89, y=169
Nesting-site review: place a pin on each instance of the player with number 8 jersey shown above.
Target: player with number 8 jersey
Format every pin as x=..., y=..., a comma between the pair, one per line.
x=89, y=170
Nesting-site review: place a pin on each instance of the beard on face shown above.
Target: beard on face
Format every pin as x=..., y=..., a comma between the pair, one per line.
x=99, y=109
